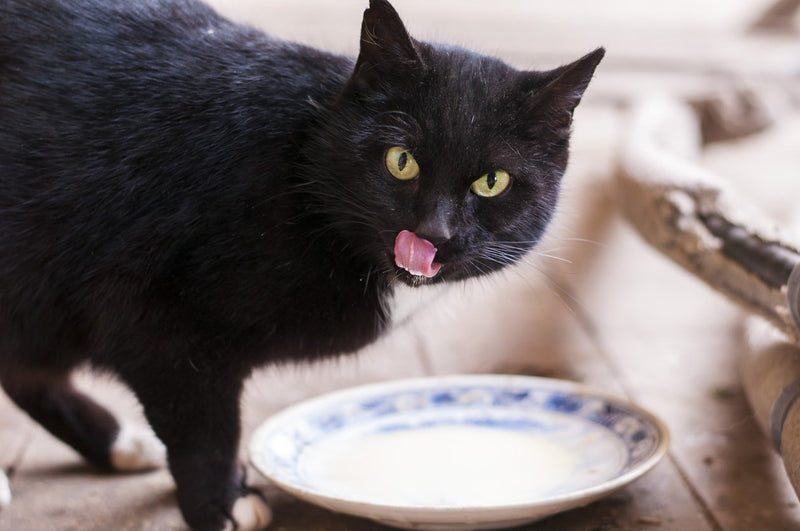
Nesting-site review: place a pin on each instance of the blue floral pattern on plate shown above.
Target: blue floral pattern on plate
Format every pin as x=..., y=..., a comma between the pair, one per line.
x=506, y=403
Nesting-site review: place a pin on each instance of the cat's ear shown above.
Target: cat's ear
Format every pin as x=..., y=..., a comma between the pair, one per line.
x=553, y=95
x=387, y=50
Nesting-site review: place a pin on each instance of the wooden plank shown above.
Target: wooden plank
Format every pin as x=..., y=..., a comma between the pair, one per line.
x=673, y=344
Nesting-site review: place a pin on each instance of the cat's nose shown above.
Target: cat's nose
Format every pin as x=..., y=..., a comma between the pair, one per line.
x=436, y=230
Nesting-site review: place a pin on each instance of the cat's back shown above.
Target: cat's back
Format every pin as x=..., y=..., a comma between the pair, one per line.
x=56, y=30
x=33, y=25
x=132, y=132
x=94, y=93
x=84, y=54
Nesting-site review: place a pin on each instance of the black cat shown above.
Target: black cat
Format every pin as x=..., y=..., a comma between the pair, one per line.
x=183, y=199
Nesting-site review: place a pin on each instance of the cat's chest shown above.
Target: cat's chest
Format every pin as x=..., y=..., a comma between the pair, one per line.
x=405, y=301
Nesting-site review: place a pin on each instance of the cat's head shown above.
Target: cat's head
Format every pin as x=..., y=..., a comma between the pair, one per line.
x=440, y=161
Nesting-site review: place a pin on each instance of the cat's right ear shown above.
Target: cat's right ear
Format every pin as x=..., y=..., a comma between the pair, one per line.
x=388, y=54
x=554, y=94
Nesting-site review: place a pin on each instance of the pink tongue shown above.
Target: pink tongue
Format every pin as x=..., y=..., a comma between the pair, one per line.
x=415, y=254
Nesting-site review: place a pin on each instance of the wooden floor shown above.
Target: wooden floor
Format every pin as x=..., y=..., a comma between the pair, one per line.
x=613, y=312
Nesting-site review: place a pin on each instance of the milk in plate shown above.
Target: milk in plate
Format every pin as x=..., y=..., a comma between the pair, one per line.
x=459, y=465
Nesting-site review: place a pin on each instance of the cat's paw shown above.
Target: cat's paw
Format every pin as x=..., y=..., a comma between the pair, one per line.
x=5, y=490
x=249, y=513
x=135, y=449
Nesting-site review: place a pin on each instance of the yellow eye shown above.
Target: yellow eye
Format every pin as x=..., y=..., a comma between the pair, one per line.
x=401, y=163
x=492, y=184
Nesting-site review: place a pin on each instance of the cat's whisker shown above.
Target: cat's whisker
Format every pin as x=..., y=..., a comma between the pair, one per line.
x=551, y=256
x=597, y=243
x=521, y=247
x=572, y=304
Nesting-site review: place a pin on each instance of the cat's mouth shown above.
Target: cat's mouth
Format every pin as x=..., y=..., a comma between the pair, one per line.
x=415, y=255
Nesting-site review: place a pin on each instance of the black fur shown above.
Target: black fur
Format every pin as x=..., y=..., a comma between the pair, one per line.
x=183, y=199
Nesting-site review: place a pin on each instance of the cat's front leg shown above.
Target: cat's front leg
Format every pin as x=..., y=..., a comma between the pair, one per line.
x=196, y=415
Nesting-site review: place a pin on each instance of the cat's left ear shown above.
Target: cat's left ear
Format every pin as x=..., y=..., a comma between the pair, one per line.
x=555, y=94
x=388, y=53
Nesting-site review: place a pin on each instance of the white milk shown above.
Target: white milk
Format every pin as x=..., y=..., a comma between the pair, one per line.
x=445, y=466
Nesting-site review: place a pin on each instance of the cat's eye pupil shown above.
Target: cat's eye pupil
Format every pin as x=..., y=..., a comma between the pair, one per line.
x=402, y=160
x=491, y=180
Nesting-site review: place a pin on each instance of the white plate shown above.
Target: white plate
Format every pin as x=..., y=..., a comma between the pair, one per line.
x=458, y=452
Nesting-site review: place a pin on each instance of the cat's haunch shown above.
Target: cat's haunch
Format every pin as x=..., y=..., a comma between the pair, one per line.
x=183, y=199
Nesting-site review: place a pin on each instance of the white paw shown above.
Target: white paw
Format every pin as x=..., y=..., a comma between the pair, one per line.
x=136, y=448
x=250, y=513
x=5, y=490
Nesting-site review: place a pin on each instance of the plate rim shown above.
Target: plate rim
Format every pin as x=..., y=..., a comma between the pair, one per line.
x=440, y=513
